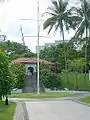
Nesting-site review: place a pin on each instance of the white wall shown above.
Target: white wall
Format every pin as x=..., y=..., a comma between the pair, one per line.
x=30, y=65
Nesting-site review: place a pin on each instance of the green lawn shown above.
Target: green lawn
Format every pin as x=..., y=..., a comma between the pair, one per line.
x=80, y=83
x=42, y=95
x=86, y=99
x=7, y=112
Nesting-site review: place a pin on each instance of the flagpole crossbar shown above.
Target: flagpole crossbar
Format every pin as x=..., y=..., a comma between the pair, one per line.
x=39, y=36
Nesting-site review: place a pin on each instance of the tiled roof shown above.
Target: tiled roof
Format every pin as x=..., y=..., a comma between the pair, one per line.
x=30, y=60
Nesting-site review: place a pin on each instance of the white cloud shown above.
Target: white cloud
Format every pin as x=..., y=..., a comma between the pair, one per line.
x=10, y=14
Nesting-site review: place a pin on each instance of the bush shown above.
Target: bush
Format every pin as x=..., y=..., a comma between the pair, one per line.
x=48, y=78
x=18, y=75
x=75, y=82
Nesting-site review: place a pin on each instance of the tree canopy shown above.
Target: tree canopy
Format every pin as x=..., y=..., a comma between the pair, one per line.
x=16, y=50
x=5, y=76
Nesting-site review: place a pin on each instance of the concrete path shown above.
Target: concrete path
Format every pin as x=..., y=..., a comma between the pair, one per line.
x=57, y=110
x=21, y=112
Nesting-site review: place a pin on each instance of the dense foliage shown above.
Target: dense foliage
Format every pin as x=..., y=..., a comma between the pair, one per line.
x=56, y=54
x=49, y=78
x=5, y=76
x=16, y=50
x=18, y=75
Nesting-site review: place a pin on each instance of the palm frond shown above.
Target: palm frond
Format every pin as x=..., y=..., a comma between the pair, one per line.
x=88, y=13
x=74, y=21
x=55, y=4
x=59, y=16
x=65, y=4
x=60, y=2
x=51, y=26
x=82, y=19
x=49, y=13
x=80, y=29
x=58, y=25
x=67, y=26
x=51, y=8
x=49, y=23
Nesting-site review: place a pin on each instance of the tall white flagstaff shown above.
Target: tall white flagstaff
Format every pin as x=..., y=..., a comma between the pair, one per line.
x=38, y=34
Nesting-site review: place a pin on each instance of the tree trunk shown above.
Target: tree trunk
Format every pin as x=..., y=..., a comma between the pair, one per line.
x=76, y=79
x=65, y=58
x=6, y=101
x=76, y=74
x=0, y=97
x=67, y=61
x=86, y=54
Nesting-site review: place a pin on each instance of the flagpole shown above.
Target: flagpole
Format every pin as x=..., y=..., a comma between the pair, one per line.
x=38, y=34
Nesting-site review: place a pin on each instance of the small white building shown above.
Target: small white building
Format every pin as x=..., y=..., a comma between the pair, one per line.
x=30, y=83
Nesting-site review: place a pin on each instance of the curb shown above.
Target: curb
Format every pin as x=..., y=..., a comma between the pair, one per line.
x=41, y=99
x=82, y=103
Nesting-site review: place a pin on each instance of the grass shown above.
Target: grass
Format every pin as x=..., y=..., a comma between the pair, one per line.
x=80, y=83
x=7, y=112
x=85, y=99
x=42, y=95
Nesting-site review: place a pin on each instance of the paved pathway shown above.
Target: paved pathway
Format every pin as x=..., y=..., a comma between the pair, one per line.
x=50, y=109
x=57, y=110
x=21, y=112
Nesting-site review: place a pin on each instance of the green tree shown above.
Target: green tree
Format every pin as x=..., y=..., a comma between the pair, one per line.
x=84, y=24
x=49, y=78
x=60, y=17
x=77, y=65
x=88, y=50
x=18, y=75
x=56, y=53
x=16, y=50
x=84, y=19
x=5, y=76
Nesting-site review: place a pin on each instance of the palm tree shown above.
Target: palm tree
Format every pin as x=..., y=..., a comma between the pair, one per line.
x=59, y=19
x=84, y=15
x=84, y=24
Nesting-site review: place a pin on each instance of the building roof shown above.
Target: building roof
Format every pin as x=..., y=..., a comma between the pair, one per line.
x=30, y=60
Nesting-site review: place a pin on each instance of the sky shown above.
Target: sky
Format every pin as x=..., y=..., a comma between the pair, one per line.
x=11, y=13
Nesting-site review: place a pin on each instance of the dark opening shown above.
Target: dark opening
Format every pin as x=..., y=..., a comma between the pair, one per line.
x=31, y=70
